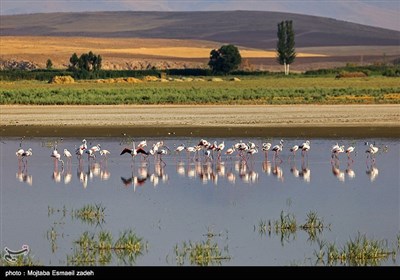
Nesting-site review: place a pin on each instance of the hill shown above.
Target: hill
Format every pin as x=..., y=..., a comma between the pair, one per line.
x=254, y=29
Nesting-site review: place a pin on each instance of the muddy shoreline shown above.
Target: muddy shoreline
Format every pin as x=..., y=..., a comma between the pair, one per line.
x=354, y=121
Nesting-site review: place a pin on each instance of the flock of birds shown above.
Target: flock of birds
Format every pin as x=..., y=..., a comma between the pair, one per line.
x=203, y=149
x=204, y=153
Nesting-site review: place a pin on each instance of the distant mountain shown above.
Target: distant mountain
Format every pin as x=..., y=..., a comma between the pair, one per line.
x=256, y=29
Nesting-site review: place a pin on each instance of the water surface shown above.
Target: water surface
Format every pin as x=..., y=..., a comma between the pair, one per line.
x=182, y=199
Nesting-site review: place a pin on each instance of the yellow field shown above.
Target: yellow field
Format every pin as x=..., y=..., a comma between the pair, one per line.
x=59, y=49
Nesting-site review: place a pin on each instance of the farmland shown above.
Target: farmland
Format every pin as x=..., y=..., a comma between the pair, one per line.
x=250, y=90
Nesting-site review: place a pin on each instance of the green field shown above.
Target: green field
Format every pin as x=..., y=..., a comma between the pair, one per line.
x=250, y=90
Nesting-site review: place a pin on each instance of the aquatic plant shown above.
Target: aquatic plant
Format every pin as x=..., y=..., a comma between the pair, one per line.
x=262, y=227
x=92, y=249
x=91, y=214
x=359, y=252
x=313, y=225
x=286, y=226
x=201, y=253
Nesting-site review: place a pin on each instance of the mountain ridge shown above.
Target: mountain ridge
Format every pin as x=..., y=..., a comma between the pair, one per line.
x=253, y=29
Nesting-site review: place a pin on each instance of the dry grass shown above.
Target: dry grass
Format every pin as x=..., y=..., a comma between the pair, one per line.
x=59, y=49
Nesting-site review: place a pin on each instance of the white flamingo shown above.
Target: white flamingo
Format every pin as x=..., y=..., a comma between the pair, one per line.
x=293, y=150
x=265, y=148
x=25, y=155
x=277, y=149
x=68, y=155
x=305, y=147
x=104, y=153
x=371, y=151
x=348, y=151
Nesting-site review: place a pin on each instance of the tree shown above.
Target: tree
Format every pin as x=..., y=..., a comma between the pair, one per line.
x=87, y=62
x=286, y=52
x=224, y=60
x=73, y=60
x=49, y=64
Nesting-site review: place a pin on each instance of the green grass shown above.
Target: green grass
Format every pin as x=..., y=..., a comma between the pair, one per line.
x=251, y=90
x=361, y=251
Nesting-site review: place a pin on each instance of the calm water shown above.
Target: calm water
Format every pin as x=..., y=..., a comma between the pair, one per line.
x=182, y=200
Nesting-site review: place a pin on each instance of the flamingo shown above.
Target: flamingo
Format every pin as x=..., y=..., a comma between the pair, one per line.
x=208, y=155
x=25, y=155
x=19, y=153
x=163, y=152
x=251, y=145
x=265, y=148
x=57, y=157
x=336, y=150
x=142, y=144
x=277, y=149
x=68, y=155
x=220, y=148
x=179, y=149
x=372, y=150
x=230, y=151
x=305, y=147
x=348, y=151
x=191, y=150
x=132, y=151
x=96, y=148
x=91, y=154
x=293, y=150
x=79, y=152
x=104, y=153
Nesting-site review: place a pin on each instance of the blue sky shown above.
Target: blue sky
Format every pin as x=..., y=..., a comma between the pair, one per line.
x=384, y=13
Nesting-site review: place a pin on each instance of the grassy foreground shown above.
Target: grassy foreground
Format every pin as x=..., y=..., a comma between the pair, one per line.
x=250, y=90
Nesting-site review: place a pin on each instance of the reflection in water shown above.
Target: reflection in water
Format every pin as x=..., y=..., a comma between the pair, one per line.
x=339, y=174
x=372, y=172
x=94, y=169
x=142, y=174
x=305, y=171
x=158, y=174
x=266, y=167
x=349, y=170
x=23, y=175
x=293, y=169
x=277, y=170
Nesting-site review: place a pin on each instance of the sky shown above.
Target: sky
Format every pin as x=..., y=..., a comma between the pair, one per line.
x=384, y=13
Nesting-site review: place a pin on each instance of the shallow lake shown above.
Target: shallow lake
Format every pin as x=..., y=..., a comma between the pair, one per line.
x=227, y=203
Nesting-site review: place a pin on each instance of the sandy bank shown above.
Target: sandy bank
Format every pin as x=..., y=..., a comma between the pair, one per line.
x=154, y=120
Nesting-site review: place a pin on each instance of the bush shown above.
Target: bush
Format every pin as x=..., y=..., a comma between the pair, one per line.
x=392, y=72
x=351, y=75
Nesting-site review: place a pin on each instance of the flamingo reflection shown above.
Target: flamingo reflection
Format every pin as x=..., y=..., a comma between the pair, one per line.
x=339, y=174
x=23, y=176
x=372, y=172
